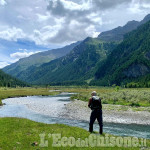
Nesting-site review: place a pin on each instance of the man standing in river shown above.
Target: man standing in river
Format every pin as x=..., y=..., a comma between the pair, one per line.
x=96, y=107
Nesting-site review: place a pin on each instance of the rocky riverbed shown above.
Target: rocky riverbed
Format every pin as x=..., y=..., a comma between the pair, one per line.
x=78, y=110
x=111, y=113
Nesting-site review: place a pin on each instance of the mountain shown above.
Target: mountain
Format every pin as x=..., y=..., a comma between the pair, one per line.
x=93, y=57
x=44, y=57
x=118, y=33
x=8, y=48
x=8, y=81
x=78, y=65
x=129, y=61
x=37, y=59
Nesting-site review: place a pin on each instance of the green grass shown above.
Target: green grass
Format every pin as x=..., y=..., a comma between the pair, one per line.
x=112, y=95
x=115, y=96
x=20, y=134
x=20, y=92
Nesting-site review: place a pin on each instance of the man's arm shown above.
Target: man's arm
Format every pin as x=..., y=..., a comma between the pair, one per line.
x=90, y=101
x=100, y=102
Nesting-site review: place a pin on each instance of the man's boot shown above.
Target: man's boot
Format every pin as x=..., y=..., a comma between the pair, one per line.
x=91, y=129
x=101, y=130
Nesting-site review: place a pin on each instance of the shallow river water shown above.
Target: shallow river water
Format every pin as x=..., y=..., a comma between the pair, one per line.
x=48, y=109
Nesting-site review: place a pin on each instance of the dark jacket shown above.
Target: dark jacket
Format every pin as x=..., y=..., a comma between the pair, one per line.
x=95, y=103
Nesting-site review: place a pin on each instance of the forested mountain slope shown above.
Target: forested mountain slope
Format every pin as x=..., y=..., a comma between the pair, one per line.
x=37, y=59
x=129, y=61
x=118, y=33
x=80, y=64
x=8, y=81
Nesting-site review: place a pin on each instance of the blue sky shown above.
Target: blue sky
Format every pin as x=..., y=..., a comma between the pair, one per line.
x=27, y=27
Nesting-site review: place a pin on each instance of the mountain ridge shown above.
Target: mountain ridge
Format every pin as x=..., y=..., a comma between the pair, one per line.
x=94, y=57
x=37, y=59
x=79, y=64
x=129, y=61
x=117, y=34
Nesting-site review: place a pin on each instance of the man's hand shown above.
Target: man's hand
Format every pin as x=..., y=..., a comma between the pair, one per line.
x=90, y=101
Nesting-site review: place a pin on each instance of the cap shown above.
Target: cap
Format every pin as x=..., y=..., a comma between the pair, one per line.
x=94, y=92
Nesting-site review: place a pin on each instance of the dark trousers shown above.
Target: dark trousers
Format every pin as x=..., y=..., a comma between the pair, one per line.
x=96, y=114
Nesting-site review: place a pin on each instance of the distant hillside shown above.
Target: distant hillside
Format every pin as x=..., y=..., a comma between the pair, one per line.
x=99, y=58
x=8, y=81
x=118, y=33
x=37, y=59
x=78, y=65
x=129, y=61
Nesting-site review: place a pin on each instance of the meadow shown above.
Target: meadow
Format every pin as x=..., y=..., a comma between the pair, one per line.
x=21, y=92
x=135, y=97
x=23, y=134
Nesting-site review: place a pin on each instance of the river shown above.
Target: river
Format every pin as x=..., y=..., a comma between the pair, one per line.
x=48, y=109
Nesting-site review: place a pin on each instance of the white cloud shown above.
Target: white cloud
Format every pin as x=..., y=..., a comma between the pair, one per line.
x=42, y=18
x=49, y=22
x=20, y=49
x=42, y=36
x=60, y=22
x=75, y=6
x=92, y=31
x=12, y=34
x=19, y=55
x=3, y=2
x=3, y=64
x=95, y=18
x=135, y=6
x=147, y=6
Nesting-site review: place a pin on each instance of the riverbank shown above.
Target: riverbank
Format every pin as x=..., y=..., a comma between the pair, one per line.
x=23, y=92
x=52, y=110
x=25, y=134
x=79, y=110
x=136, y=97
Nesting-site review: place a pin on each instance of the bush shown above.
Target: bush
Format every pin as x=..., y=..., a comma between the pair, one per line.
x=134, y=104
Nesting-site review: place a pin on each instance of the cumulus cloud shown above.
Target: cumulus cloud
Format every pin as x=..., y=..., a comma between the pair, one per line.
x=139, y=6
x=42, y=18
x=12, y=34
x=3, y=64
x=3, y=2
x=55, y=23
x=19, y=55
x=77, y=24
x=89, y=18
x=20, y=49
x=42, y=36
x=108, y=4
x=64, y=21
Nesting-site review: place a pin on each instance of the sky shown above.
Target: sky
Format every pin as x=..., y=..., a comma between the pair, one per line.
x=28, y=26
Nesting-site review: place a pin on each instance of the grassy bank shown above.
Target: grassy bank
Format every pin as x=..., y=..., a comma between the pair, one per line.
x=116, y=95
x=20, y=92
x=113, y=95
x=22, y=134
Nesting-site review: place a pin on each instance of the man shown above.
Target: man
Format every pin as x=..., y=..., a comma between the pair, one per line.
x=96, y=107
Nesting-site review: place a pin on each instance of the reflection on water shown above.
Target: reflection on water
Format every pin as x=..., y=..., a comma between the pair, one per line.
x=16, y=107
